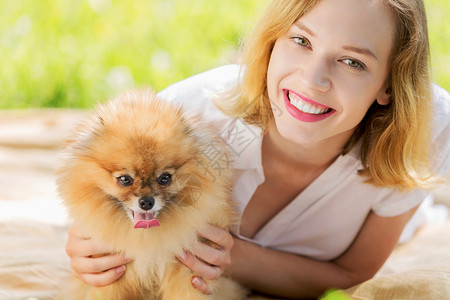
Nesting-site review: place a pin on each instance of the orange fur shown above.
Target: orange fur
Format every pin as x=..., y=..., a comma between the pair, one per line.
x=142, y=136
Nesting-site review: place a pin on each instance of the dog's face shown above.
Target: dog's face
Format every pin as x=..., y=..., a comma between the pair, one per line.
x=148, y=184
x=144, y=159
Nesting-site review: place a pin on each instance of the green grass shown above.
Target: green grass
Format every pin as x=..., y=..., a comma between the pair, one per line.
x=74, y=53
x=334, y=294
x=438, y=12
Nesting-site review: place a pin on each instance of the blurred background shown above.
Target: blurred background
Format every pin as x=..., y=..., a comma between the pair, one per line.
x=74, y=53
x=71, y=54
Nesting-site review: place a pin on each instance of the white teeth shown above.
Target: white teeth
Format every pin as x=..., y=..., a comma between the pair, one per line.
x=299, y=105
x=294, y=102
x=306, y=107
x=317, y=111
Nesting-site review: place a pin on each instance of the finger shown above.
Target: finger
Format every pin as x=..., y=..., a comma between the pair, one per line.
x=86, y=248
x=96, y=265
x=104, y=278
x=77, y=233
x=201, y=285
x=219, y=236
x=213, y=256
x=78, y=245
x=200, y=268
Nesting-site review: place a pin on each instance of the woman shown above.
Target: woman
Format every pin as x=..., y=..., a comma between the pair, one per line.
x=335, y=110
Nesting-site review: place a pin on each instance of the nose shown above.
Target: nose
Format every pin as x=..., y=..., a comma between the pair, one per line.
x=146, y=202
x=315, y=74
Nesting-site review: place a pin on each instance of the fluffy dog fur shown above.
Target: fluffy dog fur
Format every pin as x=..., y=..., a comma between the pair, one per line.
x=136, y=147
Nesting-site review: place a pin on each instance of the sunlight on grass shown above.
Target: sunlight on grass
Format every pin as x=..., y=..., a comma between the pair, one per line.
x=439, y=30
x=73, y=53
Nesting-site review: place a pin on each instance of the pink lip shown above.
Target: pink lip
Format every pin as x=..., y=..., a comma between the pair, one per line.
x=302, y=116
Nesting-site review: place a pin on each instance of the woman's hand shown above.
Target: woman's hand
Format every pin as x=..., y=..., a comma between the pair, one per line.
x=91, y=261
x=209, y=262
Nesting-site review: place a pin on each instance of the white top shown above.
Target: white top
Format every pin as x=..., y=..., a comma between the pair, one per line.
x=324, y=219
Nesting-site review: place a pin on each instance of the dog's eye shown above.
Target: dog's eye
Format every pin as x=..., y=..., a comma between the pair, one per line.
x=164, y=179
x=125, y=180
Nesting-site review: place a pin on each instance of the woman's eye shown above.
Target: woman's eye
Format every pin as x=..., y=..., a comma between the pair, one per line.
x=301, y=41
x=125, y=180
x=355, y=64
x=164, y=179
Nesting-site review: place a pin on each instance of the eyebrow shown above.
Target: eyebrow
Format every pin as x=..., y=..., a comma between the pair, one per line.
x=364, y=51
x=304, y=28
x=360, y=50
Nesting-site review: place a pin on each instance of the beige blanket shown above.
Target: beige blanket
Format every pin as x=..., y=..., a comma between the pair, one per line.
x=419, y=269
x=33, y=264
x=32, y=260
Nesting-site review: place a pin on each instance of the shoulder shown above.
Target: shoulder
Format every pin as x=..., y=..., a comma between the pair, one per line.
x=196, y=95
x=199, y=90
x=441, y=130
x=441, y=110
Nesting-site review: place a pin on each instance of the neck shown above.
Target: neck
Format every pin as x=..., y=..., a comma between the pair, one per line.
x=309, y=156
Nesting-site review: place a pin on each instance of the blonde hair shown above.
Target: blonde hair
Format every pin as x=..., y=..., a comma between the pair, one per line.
x=394, y=138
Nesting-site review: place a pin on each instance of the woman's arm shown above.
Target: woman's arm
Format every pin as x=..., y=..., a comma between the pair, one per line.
x=289, y=275
x=261, y=269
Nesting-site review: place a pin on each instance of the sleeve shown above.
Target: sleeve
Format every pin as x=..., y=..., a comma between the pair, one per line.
x=440, y=147
x=392, y=202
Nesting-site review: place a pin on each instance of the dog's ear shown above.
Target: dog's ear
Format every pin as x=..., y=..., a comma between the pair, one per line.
x=186, y=125
x=194, y=127
x=84, y=132
x=78, y=132
x=100, y=120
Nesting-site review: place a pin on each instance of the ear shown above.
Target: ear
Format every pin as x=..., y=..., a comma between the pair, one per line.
x=384, y=98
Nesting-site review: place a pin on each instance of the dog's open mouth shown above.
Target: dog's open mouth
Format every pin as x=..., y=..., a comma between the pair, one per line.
x=144, y=220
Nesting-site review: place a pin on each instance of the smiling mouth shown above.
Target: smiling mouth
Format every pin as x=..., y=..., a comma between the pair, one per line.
x=306, y=106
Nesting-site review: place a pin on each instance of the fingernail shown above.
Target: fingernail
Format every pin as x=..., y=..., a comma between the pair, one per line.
x=183, y=255
x=120, y=269
x=127, y=259
x=196, y=282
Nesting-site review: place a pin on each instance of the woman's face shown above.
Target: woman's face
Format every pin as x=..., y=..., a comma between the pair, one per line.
x=328, y=69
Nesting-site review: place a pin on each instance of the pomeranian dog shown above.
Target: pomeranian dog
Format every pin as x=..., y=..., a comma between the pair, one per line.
x=140, y=176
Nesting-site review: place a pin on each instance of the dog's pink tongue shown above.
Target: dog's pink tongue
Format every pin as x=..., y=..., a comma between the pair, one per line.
x=146, y=224
x=145, y=220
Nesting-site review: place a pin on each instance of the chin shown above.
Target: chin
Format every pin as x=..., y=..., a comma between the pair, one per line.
x=136, y=176
x=289, y=131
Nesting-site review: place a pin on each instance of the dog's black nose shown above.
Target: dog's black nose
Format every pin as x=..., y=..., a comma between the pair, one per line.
x=146, y=203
